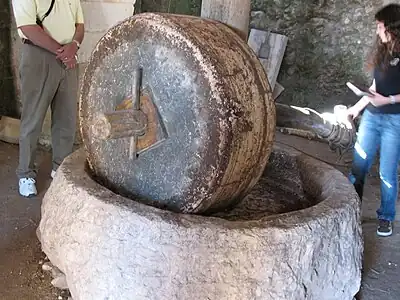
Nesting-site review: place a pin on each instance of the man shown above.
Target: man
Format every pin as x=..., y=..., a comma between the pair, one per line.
x=51, y=32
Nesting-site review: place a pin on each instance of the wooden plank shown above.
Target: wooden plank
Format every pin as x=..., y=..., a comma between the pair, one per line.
x=272, y=71
x=234, y=13
x=274, y=47
x=9, y=130
x=270, y=48
x=274, y=52
x=277, y=91
x=257, y=38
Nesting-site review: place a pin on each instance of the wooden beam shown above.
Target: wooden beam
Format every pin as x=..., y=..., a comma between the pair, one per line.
x=119, y=124
x=302, y=118
x=234, y=13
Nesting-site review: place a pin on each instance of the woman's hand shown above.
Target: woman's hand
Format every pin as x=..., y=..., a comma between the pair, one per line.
x=377, y=99
x=353, y=112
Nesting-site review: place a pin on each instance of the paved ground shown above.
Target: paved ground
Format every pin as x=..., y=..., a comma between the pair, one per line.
x=21, y=276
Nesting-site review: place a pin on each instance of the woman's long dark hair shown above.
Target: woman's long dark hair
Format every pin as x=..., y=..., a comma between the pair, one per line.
x=381, y=53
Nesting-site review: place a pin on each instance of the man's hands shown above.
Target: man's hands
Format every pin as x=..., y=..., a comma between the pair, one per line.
x=67, y=54
x=70, y=63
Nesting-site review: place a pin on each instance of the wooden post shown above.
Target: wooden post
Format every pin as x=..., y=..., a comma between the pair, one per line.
x=234, y=13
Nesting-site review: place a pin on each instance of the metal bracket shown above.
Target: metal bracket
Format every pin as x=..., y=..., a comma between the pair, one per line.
x=136, y=86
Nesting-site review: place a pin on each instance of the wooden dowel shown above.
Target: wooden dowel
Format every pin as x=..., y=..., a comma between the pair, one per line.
x=119, y=124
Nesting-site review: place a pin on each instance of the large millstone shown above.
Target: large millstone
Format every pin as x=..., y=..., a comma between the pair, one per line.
x=208, y=105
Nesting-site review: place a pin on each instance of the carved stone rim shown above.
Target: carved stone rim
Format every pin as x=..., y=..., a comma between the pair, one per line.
x=334, y=194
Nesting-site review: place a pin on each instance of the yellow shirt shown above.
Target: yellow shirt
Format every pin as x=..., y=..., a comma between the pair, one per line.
x=59, y=24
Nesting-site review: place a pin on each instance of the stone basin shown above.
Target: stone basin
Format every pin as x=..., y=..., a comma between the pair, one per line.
x=297, y=235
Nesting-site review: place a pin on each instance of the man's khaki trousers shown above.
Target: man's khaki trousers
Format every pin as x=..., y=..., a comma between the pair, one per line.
x=45, y=82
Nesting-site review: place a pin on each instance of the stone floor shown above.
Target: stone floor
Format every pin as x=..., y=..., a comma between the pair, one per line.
x=21, y=276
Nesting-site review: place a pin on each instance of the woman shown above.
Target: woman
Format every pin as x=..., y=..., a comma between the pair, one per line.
x=380, y=123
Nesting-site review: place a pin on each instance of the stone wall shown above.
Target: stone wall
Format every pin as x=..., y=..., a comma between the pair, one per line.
x=328, y=43
x=185, y=7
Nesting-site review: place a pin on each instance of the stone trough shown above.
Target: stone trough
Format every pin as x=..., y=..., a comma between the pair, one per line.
x=297, y=235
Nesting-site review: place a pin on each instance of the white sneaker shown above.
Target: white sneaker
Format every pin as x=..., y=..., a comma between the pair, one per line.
x=27, y=187
x=53, y=173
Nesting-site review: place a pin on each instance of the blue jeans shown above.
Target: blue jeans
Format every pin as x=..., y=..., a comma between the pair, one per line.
x=378, y=130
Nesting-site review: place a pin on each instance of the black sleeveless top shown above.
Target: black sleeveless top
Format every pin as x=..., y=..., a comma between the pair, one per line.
x=387, y=83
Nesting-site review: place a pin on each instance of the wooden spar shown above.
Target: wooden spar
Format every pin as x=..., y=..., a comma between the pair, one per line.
x=302, y=118
x=119, y=124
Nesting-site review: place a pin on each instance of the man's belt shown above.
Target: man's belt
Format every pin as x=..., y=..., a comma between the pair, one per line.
x=29, y=42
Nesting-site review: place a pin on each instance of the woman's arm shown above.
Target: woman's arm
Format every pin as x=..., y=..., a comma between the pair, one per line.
x=364, y=101
x=380, y=100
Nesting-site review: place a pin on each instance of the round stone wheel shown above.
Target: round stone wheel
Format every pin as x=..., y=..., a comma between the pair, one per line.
x=208, y=105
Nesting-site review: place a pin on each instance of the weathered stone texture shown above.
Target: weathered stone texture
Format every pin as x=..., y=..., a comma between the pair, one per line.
x=110, y=247
x=185, y=7
x=328, y=43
